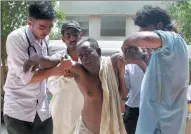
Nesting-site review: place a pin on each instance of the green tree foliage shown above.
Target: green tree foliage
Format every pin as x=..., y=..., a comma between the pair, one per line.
x=55, y=34
x=181, y=13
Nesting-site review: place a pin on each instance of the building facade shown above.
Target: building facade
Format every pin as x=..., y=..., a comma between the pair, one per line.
x=105, y=20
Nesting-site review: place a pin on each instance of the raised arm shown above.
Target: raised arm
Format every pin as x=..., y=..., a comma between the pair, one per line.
x=119, y=67
x=43, y=61
x=142, y=39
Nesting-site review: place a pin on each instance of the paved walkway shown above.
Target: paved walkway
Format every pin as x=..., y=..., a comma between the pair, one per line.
x=3, y=130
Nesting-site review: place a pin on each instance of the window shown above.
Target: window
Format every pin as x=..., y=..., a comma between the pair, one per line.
x=83, y=21
x=113, y=25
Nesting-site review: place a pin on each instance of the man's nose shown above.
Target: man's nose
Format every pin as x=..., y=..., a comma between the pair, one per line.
x=72, y=38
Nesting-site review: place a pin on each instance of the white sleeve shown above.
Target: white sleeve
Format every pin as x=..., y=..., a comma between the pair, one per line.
x=17, y=55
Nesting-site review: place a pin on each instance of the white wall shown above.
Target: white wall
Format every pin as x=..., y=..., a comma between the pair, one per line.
x=96, y=9
x=94, y=26
x=130, y=27
x=105, y=7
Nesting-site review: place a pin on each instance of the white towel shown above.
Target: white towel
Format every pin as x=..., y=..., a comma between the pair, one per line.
x=111, y=117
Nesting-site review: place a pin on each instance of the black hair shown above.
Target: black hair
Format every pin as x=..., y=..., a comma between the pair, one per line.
x=149, y=15
x=41, y=10
x=134, y=53
x=93, y=43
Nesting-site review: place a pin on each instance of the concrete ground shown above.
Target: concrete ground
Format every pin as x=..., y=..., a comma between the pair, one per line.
x=3, y=129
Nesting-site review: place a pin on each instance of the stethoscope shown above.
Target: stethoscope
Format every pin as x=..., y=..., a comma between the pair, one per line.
x=32, y=47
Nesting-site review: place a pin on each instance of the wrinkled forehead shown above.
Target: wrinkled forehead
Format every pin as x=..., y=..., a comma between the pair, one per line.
x=85, y=46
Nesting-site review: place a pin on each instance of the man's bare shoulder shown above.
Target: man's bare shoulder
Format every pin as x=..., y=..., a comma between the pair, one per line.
x=77, y=68
x=116, y=57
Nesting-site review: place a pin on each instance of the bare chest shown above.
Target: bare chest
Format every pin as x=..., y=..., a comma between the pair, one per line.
x=90, y=85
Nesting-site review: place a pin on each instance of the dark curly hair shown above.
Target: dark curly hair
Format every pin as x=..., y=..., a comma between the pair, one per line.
x=41, y=10
x=149, y=15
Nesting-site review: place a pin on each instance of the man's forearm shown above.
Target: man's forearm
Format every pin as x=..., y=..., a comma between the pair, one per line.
x=143, y=39
x=42, y=74
x=123, y=94
x=48, y=62
x=63, y=66
x=123, y=90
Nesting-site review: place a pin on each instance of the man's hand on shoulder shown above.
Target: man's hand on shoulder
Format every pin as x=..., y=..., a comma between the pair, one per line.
x=133, y=53
x=118, y=59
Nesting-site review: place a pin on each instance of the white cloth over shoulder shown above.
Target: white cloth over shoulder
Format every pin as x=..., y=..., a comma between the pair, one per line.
x=111, y=117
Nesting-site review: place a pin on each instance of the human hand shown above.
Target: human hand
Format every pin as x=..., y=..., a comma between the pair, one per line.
x=133, y=54
x=68, y=74
x=65, y=64
x=31, y=63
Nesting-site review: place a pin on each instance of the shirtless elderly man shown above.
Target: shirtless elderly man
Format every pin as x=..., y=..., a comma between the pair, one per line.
x=88, y=77
x=101, y=80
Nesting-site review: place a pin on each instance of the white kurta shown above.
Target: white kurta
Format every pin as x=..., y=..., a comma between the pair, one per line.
x=66, y=104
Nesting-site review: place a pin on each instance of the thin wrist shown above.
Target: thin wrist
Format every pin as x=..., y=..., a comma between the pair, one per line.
x=53, y=71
